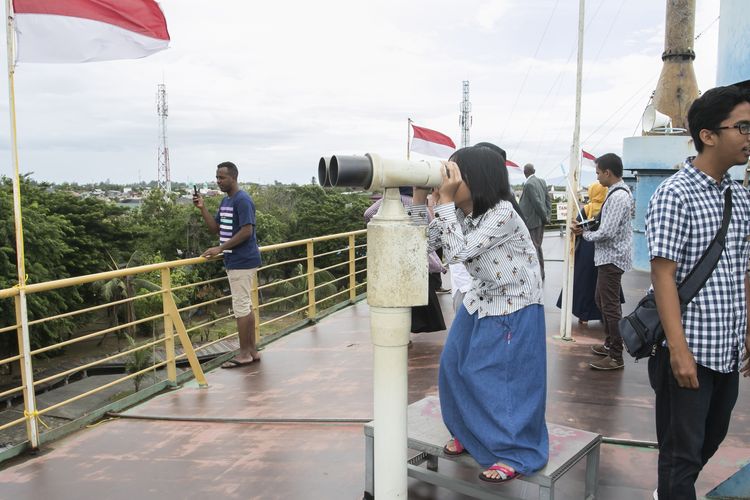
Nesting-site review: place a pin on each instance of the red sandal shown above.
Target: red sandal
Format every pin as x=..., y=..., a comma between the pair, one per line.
x=506, y=474
x=458, y=451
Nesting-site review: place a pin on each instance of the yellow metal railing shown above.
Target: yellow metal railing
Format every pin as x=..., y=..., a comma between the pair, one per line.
x=292, y=288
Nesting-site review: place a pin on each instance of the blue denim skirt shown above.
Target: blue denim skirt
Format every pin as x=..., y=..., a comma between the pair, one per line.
x=493, y=387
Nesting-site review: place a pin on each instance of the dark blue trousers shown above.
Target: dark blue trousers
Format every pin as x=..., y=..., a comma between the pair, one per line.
x=690, y=423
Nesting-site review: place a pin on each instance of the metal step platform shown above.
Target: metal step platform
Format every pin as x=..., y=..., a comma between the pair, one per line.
x=427, y=435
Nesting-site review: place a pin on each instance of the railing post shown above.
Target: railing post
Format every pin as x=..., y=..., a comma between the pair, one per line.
x=310, y=280
x=255, y=297
x=27, y=372
x=166, y=287
x=187, y=345
x=352, y=270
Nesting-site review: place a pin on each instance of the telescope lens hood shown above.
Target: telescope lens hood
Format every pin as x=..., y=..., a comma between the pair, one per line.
x=324, y=177
x=350, y=171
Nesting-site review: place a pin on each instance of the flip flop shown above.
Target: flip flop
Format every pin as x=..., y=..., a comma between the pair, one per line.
x=458, y=451
x=506, y=474
x=233, y=363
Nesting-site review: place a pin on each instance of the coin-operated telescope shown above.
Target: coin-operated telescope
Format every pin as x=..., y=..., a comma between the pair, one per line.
x=373, y=173
x=396, y=281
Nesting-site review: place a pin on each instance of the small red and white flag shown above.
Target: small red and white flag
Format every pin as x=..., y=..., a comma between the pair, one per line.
x=74, y=31
x=513, y=167
x=588, y=161
x=431, y=143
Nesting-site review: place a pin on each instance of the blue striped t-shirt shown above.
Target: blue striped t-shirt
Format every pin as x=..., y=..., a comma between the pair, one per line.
x=234, y=212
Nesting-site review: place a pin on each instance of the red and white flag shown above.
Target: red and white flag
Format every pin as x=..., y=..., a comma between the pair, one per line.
x=431, y=143
x=513, y=167
x=588, y=161
x=74, y=31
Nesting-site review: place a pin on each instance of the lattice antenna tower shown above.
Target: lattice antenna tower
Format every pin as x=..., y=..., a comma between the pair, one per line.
x=465, y=119
x=163, y=176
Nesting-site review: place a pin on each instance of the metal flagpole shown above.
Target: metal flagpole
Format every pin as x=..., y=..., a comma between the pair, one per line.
x=566, y=318
x=408, y=145
x=22, y=317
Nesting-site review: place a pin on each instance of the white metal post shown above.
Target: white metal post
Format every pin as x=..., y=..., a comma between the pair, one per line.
x=396, y=280
x=566, y=318
x=390, y=338
x=24, y=344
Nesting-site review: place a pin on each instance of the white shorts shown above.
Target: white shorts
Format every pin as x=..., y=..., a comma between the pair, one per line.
x=241, y=282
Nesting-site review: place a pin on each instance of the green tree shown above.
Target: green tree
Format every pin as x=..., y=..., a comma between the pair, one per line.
x=120, y=288
x=49, y=245
x=162, y=223
x=137, y=361
x=296, y=286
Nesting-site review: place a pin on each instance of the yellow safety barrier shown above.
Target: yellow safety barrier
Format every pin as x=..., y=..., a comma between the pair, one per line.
x=289, y=291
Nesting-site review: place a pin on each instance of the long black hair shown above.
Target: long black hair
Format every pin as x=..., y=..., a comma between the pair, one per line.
x=483, y=169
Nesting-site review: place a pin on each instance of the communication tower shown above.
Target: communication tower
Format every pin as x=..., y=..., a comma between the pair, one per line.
x=163, y=176
x=465, y=119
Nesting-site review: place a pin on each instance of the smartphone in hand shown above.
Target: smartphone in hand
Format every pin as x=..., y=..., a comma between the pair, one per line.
x=195, y=190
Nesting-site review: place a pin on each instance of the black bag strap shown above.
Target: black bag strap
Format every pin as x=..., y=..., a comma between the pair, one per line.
x=694, y=281
x=598, y=216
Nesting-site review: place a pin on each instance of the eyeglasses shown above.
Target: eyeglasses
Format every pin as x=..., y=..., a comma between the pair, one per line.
x=743, y=127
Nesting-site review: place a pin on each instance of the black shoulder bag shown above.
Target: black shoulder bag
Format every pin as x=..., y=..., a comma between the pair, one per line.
x=641, y=330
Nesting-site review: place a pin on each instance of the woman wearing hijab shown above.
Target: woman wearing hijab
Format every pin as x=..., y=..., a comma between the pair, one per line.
x=585, y=272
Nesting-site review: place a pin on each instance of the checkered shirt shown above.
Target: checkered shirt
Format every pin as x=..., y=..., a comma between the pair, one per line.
x=497, y=251
x=684, y=215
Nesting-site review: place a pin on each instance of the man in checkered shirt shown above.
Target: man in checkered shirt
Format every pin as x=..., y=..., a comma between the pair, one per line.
x=695, y=375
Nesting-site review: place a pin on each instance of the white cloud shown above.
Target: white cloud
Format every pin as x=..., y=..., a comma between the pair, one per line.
x=489, y=14
x=275, y=85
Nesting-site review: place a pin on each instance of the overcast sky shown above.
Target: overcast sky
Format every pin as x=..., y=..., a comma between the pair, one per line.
x=273, y=86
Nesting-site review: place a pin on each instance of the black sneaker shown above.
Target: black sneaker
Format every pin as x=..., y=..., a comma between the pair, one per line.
x=607, y=364
x=600, y=350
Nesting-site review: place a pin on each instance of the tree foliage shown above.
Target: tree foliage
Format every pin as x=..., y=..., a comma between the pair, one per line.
x=66, y=234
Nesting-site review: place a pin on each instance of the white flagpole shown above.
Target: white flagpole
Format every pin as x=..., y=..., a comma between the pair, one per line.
x=408, y=143
x=22, y=317
x=566, y=317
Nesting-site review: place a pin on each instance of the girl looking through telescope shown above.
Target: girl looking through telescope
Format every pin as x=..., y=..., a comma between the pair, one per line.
x=492, y=379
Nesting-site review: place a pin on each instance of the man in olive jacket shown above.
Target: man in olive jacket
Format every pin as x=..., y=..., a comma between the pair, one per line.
x=536, y=207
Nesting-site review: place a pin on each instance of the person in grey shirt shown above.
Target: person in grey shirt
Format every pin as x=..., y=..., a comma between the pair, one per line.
x=536, y=208
x=613, y=248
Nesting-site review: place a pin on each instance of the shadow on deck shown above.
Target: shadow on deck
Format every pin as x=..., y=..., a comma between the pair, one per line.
x=291, y=426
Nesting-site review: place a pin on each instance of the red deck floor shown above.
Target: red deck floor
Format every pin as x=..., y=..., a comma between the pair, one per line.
x=325, y=372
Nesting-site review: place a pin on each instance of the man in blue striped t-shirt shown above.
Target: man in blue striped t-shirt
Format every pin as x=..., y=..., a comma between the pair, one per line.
x=235, y=225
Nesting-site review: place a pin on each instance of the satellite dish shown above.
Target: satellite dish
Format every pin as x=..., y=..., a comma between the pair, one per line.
x=655, y=121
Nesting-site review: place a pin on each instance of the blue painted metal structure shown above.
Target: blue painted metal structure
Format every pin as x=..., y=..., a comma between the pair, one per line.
x=651, y=159
x=734, y=31
x=735, y=488
x=733, y=65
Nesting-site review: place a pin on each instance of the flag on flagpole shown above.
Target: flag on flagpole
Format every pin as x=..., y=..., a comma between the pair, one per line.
x=431, y=143
x=513, y=167
x=75, y=31
x=588, y=161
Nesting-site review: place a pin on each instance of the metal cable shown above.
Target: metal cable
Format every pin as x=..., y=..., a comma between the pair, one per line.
x=636, y=443
x=523, y=84
x=242, y=420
